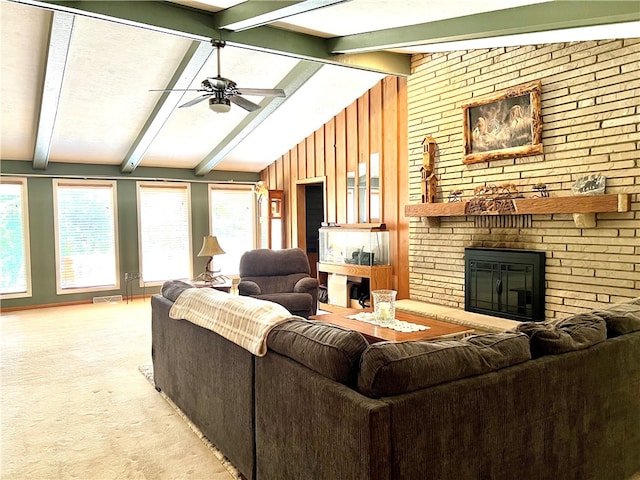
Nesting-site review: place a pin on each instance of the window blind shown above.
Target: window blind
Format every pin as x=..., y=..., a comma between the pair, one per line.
x=165, y=231
x=233, y=222
x=15, y=278
x=85, y=220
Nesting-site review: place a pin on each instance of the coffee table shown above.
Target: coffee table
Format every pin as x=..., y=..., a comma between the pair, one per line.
x=374, y=333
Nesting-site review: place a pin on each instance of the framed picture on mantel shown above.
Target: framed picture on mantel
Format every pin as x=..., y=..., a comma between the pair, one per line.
x=507, y=124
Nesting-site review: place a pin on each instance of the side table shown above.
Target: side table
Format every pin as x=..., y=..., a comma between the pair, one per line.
x=223, y=287
x=129, y=277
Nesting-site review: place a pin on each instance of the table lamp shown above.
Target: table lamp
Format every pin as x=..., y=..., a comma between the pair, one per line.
x=210, y=248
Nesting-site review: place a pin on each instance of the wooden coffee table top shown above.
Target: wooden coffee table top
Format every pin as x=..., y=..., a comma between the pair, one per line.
x=374, y=333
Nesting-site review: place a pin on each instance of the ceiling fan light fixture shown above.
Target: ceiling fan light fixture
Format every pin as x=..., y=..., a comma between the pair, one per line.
x=219, y=105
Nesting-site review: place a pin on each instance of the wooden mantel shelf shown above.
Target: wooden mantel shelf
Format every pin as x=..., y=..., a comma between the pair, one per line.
x=585, y=205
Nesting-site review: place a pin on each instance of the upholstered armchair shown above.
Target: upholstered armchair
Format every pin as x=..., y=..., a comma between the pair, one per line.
x=280, y=276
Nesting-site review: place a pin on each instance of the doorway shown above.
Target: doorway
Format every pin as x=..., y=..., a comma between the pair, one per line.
x=311, y=201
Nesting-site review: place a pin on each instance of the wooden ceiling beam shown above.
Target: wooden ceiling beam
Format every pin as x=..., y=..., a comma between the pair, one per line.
x=252, y=14
x=540, y=17
x=59, y=41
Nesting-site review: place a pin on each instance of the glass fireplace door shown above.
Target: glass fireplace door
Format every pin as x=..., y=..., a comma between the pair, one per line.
x=505, y=283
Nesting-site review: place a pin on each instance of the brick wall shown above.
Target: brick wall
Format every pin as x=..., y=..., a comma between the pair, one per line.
x=591, y=117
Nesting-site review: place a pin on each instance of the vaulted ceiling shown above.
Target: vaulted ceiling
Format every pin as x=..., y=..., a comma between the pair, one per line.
x=82, y=81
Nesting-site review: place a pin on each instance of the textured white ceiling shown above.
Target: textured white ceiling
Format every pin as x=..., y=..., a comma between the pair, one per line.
x=322, y=97
x=105, y=99
x=24, y=33
x=189, y=126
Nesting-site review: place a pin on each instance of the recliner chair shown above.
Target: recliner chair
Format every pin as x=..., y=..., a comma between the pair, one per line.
x=280, y=276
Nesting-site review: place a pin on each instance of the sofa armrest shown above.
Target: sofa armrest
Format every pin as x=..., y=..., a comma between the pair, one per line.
x=299, y=411
x=247, y=288
x=308, y=285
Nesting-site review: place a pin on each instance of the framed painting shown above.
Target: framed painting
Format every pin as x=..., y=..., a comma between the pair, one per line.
x=505, y=125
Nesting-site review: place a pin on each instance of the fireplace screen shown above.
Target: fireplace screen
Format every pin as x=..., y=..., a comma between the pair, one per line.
x=505, y=283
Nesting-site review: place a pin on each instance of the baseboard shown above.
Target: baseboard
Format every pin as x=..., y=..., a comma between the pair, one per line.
x=60, y=304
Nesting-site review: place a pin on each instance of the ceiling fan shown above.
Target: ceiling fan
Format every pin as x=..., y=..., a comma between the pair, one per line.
x=221, y=91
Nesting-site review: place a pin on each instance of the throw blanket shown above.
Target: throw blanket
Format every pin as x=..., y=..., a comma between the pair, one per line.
x=245, y=321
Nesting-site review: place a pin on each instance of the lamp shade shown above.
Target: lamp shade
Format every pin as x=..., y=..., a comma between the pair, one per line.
x=210, y=247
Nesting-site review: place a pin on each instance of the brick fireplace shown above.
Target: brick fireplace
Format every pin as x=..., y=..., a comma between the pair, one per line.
x=589, y=126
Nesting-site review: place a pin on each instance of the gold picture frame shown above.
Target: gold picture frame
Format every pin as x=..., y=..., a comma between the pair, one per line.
x=505, y=125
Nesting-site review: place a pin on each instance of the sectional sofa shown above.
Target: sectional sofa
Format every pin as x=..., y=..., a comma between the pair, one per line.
x=546, y=401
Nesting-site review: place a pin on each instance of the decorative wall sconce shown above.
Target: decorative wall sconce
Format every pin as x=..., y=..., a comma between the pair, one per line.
x=260, y=189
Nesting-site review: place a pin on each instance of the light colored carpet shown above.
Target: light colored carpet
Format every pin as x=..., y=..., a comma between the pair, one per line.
x=147, y=371
x=75, y=406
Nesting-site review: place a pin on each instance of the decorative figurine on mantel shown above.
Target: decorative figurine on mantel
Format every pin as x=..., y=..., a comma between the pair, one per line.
x=428, y=178
x=454, y=196
x=541, y=188
x=589, y=185
x=493, y=200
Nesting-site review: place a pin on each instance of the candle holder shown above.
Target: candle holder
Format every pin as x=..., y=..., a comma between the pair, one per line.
x=384, y=305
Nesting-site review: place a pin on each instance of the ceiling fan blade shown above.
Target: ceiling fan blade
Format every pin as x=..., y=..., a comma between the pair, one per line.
x=262, y=92
x=244, y=103
x=178, y=90
x=195, y=100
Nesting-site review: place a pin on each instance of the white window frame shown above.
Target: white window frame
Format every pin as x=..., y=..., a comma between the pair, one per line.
x=57, y=183
x=141, y=185
x=24, y=206
x=254, y=215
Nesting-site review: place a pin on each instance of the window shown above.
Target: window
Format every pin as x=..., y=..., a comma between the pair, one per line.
x=15, y=273
x=233, y=221
x=85, y=235
x=164, y=231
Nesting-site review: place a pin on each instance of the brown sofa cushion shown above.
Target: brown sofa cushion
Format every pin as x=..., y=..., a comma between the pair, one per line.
x=390, y=368
x=621, y=318
x=328, y=349
x=172, y=289
x=566, y=335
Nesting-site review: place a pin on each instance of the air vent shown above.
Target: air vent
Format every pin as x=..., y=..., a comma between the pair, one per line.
x=109, y=299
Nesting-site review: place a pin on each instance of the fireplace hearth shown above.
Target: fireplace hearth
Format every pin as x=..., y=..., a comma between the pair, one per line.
x=505, y=283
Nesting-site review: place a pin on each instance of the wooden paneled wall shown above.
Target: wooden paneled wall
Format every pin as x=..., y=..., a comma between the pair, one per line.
x=375, y=123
